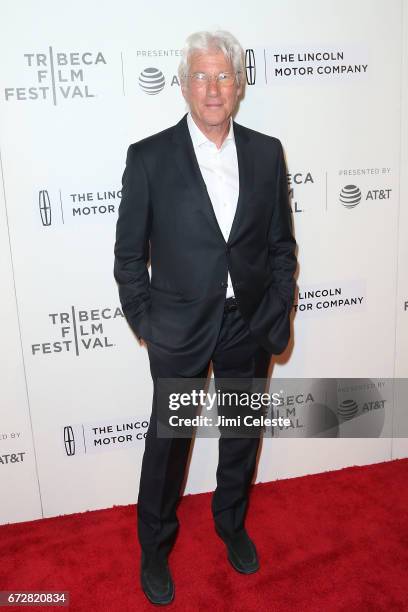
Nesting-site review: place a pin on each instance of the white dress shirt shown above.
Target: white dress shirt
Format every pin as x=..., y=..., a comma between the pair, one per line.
x=219, y=168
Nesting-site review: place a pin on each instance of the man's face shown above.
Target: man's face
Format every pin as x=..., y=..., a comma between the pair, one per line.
x=211, y=104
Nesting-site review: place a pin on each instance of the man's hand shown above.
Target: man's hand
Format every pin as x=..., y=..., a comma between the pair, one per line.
x=141, y=342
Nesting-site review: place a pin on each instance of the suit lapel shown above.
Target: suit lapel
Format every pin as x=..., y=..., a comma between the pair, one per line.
x=245, y=170
x=187, y=163
x=186, y=160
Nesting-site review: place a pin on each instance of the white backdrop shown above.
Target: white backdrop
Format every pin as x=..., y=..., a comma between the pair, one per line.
x=330, y=82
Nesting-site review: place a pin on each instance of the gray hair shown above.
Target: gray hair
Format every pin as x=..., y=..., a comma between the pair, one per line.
x=209, y=41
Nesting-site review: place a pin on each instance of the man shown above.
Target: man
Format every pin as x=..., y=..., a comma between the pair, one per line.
x=210, y=199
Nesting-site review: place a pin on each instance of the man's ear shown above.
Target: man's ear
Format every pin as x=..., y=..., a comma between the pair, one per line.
x=184, y=90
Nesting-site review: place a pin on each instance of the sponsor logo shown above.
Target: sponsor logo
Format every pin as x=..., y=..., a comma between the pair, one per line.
x=330, y=298
x=299, y=64
x=250, y=66
x=121, y=433
x=347, y=409
x=152, y=81
x=350, y=196
x=45, y=207
x=337, y=407
x=100, y=203
x=69, y=440
x=94, y=202
x=6, y=459
x=359, y=406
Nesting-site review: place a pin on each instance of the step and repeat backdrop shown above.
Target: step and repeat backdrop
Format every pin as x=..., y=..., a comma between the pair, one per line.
x=326, y=77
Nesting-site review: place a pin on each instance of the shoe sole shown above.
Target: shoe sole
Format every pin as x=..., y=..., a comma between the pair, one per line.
x=165, y=602
x=159, y=603
x=242, y=571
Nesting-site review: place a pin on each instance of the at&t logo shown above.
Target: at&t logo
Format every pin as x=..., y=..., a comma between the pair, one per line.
x=351, y=195
x=152, y=81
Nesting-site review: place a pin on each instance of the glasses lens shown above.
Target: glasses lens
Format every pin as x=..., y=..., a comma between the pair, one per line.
x=223, y=78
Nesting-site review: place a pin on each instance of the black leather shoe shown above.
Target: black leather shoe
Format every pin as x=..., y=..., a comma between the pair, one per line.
x=157, y=583
x=241, y=552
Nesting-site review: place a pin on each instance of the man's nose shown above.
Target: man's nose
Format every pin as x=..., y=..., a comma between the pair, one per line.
x=213, y=87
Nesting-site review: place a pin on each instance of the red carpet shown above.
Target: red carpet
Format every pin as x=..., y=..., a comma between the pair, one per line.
x=330, y=542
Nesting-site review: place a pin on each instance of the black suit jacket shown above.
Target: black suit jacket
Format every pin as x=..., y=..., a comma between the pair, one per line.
x=165, y=203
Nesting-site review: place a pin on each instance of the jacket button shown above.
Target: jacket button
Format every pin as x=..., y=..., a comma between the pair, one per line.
x=223, y=284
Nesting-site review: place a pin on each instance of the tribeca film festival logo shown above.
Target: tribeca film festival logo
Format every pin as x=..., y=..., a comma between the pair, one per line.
x=83, y=204
x=295, y=182
x=58, y=75
x=96, y=437
x=79, y=331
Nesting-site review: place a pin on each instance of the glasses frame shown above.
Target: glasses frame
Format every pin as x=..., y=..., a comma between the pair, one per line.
x=208, y=78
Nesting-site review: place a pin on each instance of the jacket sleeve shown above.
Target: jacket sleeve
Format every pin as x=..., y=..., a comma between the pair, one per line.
x=282, y=244
x=132, y=241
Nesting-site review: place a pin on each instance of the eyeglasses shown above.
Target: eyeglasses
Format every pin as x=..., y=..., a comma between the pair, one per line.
x=224, y=79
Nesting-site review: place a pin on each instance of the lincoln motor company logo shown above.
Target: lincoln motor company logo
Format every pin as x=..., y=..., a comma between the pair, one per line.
x=45, y=207
x=300, y=63
x=116, y=434
x=78, y=204
x=69, y=440
x=250, y=67
x=58, y=75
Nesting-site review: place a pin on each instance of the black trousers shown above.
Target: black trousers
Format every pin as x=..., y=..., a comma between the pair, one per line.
x=236, y=355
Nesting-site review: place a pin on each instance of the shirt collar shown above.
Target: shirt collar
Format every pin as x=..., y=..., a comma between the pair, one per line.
x=199, y=138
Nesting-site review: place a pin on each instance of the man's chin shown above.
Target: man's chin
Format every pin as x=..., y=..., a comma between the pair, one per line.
x=214, y=119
